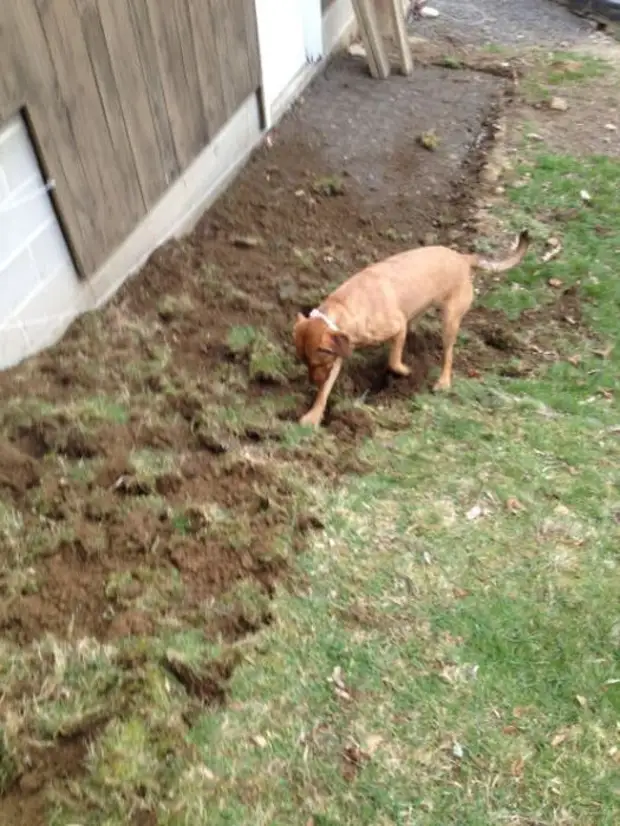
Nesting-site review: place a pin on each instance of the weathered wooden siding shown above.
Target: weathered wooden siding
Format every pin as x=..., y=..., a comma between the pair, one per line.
x=121, y=96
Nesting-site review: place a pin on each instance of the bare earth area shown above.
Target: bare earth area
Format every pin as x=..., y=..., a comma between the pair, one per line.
x=151, y=473
x=341, y=185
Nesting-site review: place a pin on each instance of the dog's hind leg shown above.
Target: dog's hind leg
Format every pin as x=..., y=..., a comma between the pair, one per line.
x=395, y=361
x=453, y=311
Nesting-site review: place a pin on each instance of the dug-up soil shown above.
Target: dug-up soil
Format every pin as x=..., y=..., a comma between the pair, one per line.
x=148, y=462
x=124, y=447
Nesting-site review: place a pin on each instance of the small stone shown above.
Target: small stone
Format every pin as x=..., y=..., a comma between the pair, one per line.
x=427, y=11
x=259, y=741
x=611, y=127
x=585, y=196
x=31, y=783
x=534, y=136
x=357, y=50
x=558, y=104
x=490, y=174
x=245, y=241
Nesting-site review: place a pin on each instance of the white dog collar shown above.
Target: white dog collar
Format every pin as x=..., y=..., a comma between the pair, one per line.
x=318, y=314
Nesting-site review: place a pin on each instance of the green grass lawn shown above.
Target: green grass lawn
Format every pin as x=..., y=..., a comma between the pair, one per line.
x=449, y=652
x=453, y=652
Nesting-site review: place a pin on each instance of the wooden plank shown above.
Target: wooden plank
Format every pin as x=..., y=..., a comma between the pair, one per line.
x=181, y=86
x=11, y=97
x=230, y=38
x=30, y=60
x=110, y=192
x=376, y=40
x=363, y=31
x=197, y=111
x=400, y=30
x=133, y=93
x=252, y=45
x=208, y=65
x=145, y=41
x=125, y=162
x=359, y=8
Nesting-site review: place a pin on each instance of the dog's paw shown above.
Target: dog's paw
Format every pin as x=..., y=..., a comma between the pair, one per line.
x=310, y=419
x=401, y=370
x=441, y=385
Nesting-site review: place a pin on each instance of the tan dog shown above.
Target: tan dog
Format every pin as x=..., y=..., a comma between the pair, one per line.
x=377, y=304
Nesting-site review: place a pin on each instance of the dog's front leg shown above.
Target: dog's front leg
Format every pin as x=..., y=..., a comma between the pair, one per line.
x=314, y=416
x=396, y=354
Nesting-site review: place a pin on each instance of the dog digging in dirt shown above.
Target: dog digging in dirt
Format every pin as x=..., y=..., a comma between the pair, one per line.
x=377, y=304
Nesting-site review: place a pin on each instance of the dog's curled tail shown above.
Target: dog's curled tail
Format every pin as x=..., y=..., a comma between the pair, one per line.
x=485, y=264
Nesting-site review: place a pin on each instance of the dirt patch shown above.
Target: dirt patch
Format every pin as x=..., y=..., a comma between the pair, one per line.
x=590, y=125
x=59, y=762
x=18, y=472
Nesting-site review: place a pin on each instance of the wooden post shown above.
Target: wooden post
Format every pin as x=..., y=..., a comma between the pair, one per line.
x=400, y=32
x=373, y=42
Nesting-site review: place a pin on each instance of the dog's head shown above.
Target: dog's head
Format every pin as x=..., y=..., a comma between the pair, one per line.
x=319, y=347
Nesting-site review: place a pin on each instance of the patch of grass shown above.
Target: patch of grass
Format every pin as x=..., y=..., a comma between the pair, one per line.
x=147, y=590
x=171, y=307
x=240, y=339
x=86, y=413
x=551, y=195
x=451, y=62
x=97, y=409
x=306, y=257
x=152, y=463
x=458, y=616
x=560, y=68
x=220, y=426
x=571, y=67
x=329, y=185
x=268, y=361
x=246, y=604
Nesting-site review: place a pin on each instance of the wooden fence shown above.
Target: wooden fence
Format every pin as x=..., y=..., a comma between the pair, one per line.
x=120, y=96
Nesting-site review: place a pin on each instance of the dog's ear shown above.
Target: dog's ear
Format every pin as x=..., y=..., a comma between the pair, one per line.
x=299, y=334
x=338, y=345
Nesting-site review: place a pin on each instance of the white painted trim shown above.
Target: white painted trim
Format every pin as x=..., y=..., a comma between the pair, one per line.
x=313, y=29
x=43, y=319
x=339, y=29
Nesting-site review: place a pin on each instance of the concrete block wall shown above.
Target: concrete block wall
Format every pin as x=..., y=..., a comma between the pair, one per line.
x=33, y=252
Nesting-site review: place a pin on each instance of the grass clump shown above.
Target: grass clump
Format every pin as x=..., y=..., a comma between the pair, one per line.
x=266, y=361
x=560, y=68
